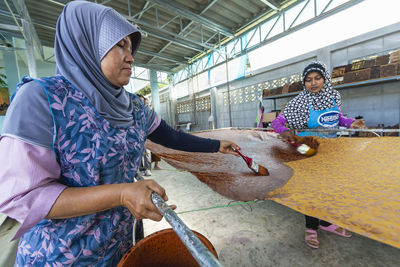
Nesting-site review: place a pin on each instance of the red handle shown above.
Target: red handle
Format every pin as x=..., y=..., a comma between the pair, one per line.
x=247, y=159
x=294, y=144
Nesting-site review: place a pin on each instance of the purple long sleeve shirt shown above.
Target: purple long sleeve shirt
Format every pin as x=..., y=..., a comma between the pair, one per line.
x=279, y=122
x=29, y=180
x=29, y=183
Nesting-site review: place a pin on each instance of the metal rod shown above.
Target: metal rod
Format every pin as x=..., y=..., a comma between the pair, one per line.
x=350, y=130
x=202, y=255
x=308, y=130
x=228, y=87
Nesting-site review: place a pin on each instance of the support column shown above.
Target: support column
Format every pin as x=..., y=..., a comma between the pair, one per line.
x=11, y=70
x=155, y=97
x=324, y=55
x=213, y=98
x=11, y=67
x=227, y=86
x=30, y=51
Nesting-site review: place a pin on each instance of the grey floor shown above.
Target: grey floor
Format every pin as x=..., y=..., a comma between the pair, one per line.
x=263, y=233
x=258, y=234
x=8, y=250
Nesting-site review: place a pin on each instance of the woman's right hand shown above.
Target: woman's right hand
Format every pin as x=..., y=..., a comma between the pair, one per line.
x=288, y=137
x=358, y=124
x=137, y=198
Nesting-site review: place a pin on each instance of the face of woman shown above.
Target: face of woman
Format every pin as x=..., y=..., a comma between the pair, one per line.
x=314, y=82
x=116, y=65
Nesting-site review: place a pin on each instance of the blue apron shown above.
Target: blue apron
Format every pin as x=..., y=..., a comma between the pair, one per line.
x=323, y=119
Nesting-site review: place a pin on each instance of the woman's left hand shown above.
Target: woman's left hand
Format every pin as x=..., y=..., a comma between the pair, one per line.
x=227, y=147
x=358, y=124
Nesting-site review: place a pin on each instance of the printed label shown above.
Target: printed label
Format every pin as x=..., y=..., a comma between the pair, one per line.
x=329, y=119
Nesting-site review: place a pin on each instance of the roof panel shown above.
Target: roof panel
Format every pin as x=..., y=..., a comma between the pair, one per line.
x=168, y=34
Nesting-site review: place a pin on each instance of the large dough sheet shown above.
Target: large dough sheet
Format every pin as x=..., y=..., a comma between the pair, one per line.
x=352, y=182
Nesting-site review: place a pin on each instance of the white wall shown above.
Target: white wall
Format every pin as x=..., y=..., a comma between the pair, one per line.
x=378, y=104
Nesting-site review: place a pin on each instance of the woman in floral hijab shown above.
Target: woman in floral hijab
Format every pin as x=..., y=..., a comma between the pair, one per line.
x=71, y=146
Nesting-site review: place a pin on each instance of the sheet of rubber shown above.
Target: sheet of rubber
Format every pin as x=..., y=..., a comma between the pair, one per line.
x=352, y=182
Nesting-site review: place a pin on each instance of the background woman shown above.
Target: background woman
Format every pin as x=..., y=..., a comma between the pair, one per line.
x=318, y=106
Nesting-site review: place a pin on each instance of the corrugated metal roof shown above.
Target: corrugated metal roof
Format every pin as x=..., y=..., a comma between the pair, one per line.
x=173, y=31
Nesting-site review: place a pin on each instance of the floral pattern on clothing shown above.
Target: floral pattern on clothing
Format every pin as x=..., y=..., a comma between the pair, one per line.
x=90, y=152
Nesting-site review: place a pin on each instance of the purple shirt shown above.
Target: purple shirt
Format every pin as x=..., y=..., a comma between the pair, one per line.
x=29, y=183
x=279, y=122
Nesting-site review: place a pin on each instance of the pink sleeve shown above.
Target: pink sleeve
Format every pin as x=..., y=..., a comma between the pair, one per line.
x=279, y=124
x=29, y=183
x=153, y=119
x=343, y=121
x=155, y=124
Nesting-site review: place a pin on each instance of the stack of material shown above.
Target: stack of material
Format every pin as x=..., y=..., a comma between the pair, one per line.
x=395, y=56
x=358, y=65
x=348, y=67
x=369, y=63
x=296, y=86
x=276, y=91
x=375, y=72
x=285, y=88
x=338, y=74
x=382, y=60
x=338, y=71
x=358, y=75
x=389, y=70
x=359, y=70
x=393, y=68
x=362, y=70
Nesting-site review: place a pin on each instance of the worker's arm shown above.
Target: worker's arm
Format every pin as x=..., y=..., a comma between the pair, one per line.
x=78, y=201
x=168, y=137
x=30, y=189
x=278, y=124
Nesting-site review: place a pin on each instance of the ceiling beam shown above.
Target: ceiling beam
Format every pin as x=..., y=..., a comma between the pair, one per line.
x=176, y=9
x=136, y=19
x=144, y=9
x=153, y=54
x=9, y=27
x=179, y=39
x=152, y=66
x=185, y=43
x=146, y=80
x=10, y=48
x=209, y=5
x=179, y=42
x=56, y=2
x=268, y=3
